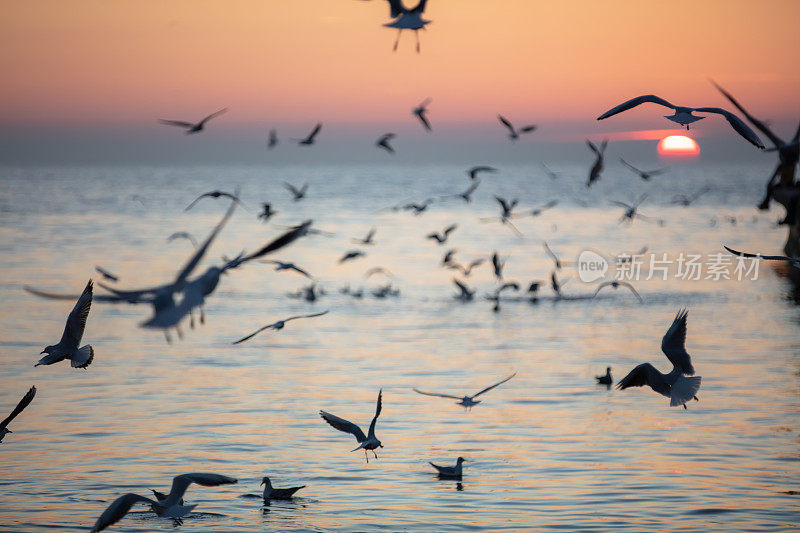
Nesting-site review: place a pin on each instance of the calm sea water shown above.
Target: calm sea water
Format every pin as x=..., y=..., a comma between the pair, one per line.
x=547, y=451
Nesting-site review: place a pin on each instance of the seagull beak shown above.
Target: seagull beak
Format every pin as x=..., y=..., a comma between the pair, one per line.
x=262, y=483
x=43, y=351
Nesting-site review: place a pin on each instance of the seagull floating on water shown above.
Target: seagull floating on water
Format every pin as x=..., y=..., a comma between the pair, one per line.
x=23, y=403
x=513, y=134
x=271, y=493
x=449, y=472
x=192, y=127
x=467, y=401
x=67, y=347
x=365, y=442
x=383, y=142
x=277, y=325
x=606, y=380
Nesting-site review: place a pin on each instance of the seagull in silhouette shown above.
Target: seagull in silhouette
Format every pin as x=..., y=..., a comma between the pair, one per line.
x=349, y=256
x=687, y=200
x=606, y=380
x=266, y=212
x=67, y=347
x=513, y=134
x=365, y=442
x=792, y=260
x=417, y=209
x=23, y=403
x=676, y=385
x=597, y=167
x=368, y=240
x=215, y=194
x=535, y=212
x=297, y=194
x=495, y=297
x=308, y=141
x=466, y=270
x=558, y=263
x=271, y=493
x=466, y=195
x=474, y=171
x=190, y=127
x=106, y=274
x=556, y=285
x=183, y=235
x=420, y=112
x=383, y=142
x=447, y=259
x=277, y=325
x=441, y=238
x=170, y=507
x=280, y=265
x=617, y=285
x=467, y=401
x=407, y=19
x=465, y=294
x=506, y=214
x=631, y=210
x=684, y=116
x=449, y=472
x=644, y=174
x=272, y=140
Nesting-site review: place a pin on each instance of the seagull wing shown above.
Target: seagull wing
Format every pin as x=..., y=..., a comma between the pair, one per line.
x=291, y=188
x=299, y=270
x=461, y=286
x=634, y=291
x=305, y=316
x=506, y=123
x=645, y=374
x=757, y=123
x=23, y=403
x=737, y=123
x=378, y=408
x=191, y=205
x=180, y=123
x=633, y=102
x=314, y=131
x=343, y=425
x=181, y=483
x=592, y=147
x=630, y=166
x=117, y=510
x=602, y=286
x=105, y=273
x=256, y=332
x=621, y=204
x=449, y=229
x=437, y=394
x=281, y=241
x=76, y=321
x=758, y=256
x=547, y=249
x=108, y=298
x=674, y=344
x=424, y=120
x=420, y=7
x=212, y=115
x=527, y=129
x=490, y=387
x=198, y=255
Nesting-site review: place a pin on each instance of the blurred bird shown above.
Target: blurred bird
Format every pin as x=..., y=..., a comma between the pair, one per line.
x=349, y=256
x=616, y=285
x=214, y=194
x=474, y=171
x=308, y=141
x=365, y=442
x=383, y=142
x=279, y=266
x=297, y=194
x=67, y=347
x=368, y=240
x=277, y=325
x=272, y=141
x=498, y=266
x=644, y=174
x=553, y=175
x=441, y=238
x=687, y=200
x=631, y=210
x=513, y=134
x=106, y=274
x=558, y=263
x=597, y=167
x=266, y=212
x=183, y=235
x=791, y=260
x=447, y=259
x=467, y=401
x=23, y=403
x=465, y=294
x=407, y=19
x=466, y=270
x=420, y=112
x=190, y=127
x=466, y=195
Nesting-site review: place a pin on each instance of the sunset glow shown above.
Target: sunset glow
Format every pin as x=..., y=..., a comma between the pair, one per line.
x=678, y=145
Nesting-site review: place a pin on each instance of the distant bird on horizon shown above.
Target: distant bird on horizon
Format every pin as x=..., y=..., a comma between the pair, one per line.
x=309, y=140
x=215, y=194
x=441, y=238
x=271, y=493
x=192, y=127
x=684, y=117
x=280, y=324
x=606, y=379
x=644, y=174
x=67, y=347
x=420, y=112
x=170, y=507
x=297, y=194
x=535, y=212
x=450, y=472
x=617, y=284
x=280, y=266
x=513, y=134
x=365, y=442
x=597, y=167
x=105, y=273
x=466, y=401
x=406, y=19
x=474, y=171
x=272, y=140
x=677, y=385
x=417, y=209
x=21, y=405
x=368, y=240
x=383, y=142
x=266, y=212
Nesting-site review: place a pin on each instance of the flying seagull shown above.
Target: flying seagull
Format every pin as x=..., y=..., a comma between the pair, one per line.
x=420, y=112
x=280, y=265
x=297, y=194
x=272, y=141
x=106, y=274
x=447, y=259
x=466, y=195
x=183, y=235
x=498, y=265
x=553, y=256
x=449, y=472
x=466, y=270
x=606, y=379
x=441, y=238
x=170, y=507
x=687, y=200
x=215, y=194
x=23, y=403
x=553, y=175
x=383, y=142
x=308, y=141
x=631, y=210
x=793, y=260
x=190, y=127
x=513, y=134
x=368, y=240
x=644, y=174
x=67, y=347
x=407, y=19
x=465, y=294
x=349, y=256
x=271, y=493
x=597, y=167
x=467, y=401
x=616, y=285
x=684, y=117
x=474, y=171
x=277, y=325
x=676, y=385
x=266, y=212
x=365, y=442
x=536, y=211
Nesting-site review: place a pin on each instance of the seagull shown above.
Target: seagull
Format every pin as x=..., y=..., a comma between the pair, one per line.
x=214, y=194
x=297, y=194
x=474, y=171
x=644, y=174
x=606, y=380
x=684, y=117
x=616, y=285
x=496, y=296
x=272, y=141
x=407, y=19
x=675, y=385
x=67, y=347
x=171, y=507
x=288, y=266
x=266, y=212
x=467, y=401
x=597, y=167
x=630, y=210
x=441, y=238
x=555, y=285
x=498, y=265
x=368, y=240
x=271, y=493
x=383, y=142
x=507, y=213
x=687, y=200
x=192, y=128
x=466, y=270
x=465, y=293
x=106, y=274
x=378, y=270
x=793, y=260
x=418, y=209
x=553, y=175
x=353, y=254
x=308, y=141
x=23, y=403
x=449, y=472
x=277, y=325
x=466, y=195
x=539, y=210
x=513, y=134
x=420, y=111
x=448, y=257
x=553, y=256
x=183, y=235
x=365, y=442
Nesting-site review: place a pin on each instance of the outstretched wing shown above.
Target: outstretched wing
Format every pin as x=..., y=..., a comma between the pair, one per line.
x=281, y=241
x=181, y=483
x=552, y=255
x=634, y=291
x=437, y=394
x=601, y=287
x=758, y=256
x=198, y=255
x=291, y=188
x=674, y=344
x=505, y=123
x=76, y=321
x=343, y=425
x=463, y=288
x=117, y=510
x=306, y=316
x=314, y=131
x=757, y=123
x=424, y=120
x=23, y=403
x=256, y=332
x=378, y=407
x=737, y=123
x=490, y=387
x=180, y=123
x=633, y=102
x=645, y=374
x=633, y=168
x=212, y=115
x=528, y=129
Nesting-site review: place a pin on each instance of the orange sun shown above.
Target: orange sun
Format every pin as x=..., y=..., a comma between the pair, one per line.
x=678, y=145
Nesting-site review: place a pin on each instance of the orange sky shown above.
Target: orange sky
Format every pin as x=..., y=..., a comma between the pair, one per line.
x=297, y=61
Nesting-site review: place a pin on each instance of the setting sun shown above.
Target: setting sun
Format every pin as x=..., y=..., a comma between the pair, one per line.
x=678, y=145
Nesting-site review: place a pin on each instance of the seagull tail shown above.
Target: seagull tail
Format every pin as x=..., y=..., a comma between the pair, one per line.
x=684, y=390
x=83, y=358
x=362, y=445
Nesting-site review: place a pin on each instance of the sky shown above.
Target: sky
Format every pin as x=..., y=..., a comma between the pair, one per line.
x=107, y=70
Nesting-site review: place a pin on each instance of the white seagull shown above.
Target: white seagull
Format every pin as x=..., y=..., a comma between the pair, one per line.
x=23, y=403
x=277, y=325
x=467, y=401
x=680, y=385
x=365, y=442
x=513, y=134
x=192, y=127
x=67, y=347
